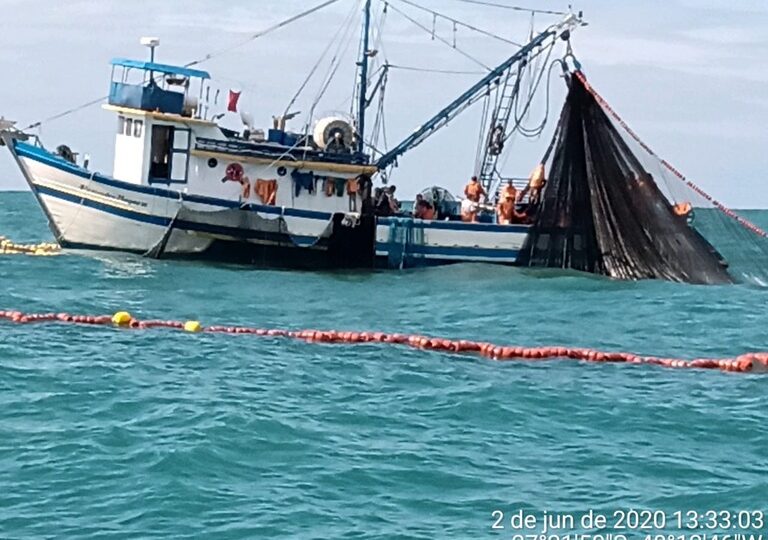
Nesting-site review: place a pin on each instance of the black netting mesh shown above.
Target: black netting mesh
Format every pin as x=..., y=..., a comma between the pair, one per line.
x=602, y=210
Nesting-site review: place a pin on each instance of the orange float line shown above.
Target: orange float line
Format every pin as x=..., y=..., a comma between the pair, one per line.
x=756, y=362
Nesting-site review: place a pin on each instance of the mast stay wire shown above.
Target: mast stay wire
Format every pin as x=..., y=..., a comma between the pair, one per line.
x=433, y=70
x=509, y=137
x=441, y=39
x=341, y=50
x=343, y=28
x=437, y=14
x=262, y=33
x=482, y=142
x=513, y=8
x=209, y=56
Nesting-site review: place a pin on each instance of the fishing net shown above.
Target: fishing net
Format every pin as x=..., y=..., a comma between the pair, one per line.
x=612, y=207
x=742, y=244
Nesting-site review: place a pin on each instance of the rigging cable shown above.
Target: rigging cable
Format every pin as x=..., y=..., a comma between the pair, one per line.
x=436, y=14
x=482, y=142
x=539, y=129
x=442, y=40
x=342, y=30
x=513, y=8
x=333, y=68
x=520, y=117
x=207, y=57
x=437, y=71
x=263, y=33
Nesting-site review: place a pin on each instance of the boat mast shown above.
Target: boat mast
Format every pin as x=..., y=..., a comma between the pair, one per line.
x=363, y=64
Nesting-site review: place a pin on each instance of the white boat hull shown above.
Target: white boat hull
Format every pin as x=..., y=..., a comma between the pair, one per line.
x=92, y=211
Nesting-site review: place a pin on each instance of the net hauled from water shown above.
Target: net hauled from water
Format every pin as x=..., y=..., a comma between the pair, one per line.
x=611, y=206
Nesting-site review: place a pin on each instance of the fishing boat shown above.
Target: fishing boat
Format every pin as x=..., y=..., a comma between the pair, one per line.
x=183, y=185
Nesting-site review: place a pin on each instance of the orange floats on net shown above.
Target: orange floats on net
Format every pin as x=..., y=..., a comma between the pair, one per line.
x=755, y=362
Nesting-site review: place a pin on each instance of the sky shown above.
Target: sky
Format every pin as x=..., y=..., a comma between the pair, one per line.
x=688, y=75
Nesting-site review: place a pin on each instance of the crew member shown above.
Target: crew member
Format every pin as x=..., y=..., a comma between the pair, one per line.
x=417, y=203
x=506, y=211
x=394, y=204
x=337, y=145
x=536, y=183
x=423, y=209
x=497, y=140
x=474, y=190
x=509, y=189
x=683, y=210
x=382, y=206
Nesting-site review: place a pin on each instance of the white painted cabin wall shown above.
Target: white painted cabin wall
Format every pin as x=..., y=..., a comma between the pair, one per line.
x=205, y=180
x=131, y=152
x=132, y=165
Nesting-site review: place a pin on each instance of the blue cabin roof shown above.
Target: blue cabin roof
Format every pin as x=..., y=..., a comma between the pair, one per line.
x=160, y=68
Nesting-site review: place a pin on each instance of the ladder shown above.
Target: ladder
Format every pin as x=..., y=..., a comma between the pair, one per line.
x=499, y=118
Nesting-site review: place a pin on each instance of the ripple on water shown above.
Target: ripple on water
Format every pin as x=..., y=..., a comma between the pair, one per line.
x=156, y=434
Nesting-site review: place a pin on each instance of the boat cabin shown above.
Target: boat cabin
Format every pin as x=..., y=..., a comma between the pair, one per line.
x=168, y=136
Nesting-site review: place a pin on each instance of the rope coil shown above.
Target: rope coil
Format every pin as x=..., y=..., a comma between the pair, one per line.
x=756, y=362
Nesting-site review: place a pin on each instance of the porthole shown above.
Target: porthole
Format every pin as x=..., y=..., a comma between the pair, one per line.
x=213, y=162
x=282, y=171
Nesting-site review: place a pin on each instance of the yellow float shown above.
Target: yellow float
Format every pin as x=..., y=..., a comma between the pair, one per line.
x=45, y=249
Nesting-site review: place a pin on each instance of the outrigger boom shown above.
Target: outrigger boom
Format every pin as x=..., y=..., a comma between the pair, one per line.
x=478, y=90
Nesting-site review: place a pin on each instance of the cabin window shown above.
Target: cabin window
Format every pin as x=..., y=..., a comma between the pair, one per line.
x=120, y=125
x=138, y=127
x=129, y=127
x=180, y=157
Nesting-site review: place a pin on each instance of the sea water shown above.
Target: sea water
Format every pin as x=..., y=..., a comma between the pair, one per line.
x=157, y=434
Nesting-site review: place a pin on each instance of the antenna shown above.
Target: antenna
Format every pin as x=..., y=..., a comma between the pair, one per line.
x=152, y=43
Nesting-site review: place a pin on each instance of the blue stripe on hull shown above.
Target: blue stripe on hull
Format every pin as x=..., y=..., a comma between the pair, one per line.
x=421, y=262
x=459, y=226
x=43, y=156
x=424, y=251
x=235, y=232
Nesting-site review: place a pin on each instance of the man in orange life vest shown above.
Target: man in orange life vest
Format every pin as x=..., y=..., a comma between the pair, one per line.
x=509, y=189
x=473, y=192
x=536, y=183
x=506, y=213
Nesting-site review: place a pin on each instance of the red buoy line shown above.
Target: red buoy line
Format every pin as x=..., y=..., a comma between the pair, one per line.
x=677, y=174
x=746, y=363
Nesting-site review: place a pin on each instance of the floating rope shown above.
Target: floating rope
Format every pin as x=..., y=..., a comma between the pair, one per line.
x=746, y=363
x=41, y=250
x=717, y=204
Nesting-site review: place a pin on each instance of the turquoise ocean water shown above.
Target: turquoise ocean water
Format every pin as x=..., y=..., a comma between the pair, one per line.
x=119, y=434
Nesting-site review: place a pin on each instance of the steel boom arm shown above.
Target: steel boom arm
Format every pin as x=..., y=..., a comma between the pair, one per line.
x=470, y=96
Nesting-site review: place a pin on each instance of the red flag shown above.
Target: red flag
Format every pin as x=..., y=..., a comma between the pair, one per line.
x=232, y=101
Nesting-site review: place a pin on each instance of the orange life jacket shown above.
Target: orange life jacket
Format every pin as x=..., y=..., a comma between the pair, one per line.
x=508, y=191
x=538, y=177
x=682, y=209
x=506, y=211
x=473, y=191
